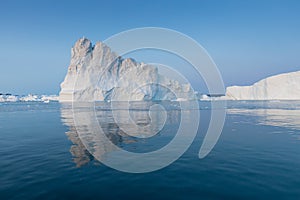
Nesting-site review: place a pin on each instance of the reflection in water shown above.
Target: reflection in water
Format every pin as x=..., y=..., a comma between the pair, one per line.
x=133, y=128
x=144, y=127
x=288, y=118
x=80, y=154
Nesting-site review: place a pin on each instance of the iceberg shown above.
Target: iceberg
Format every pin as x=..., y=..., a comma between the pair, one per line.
x=96, y=73
x=8, y=98
x=47, y=98
x=27, y=98
x=30, y=97
x=279, y=87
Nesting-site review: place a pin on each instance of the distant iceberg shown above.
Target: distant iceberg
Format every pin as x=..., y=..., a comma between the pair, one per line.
x=8, y=98
x=27, y=98
x=279, y=87
x=98, y=74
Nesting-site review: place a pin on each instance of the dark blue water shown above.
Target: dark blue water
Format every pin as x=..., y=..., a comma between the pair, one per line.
x=257, y=156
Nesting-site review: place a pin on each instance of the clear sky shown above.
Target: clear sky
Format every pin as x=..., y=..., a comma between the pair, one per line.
x=248, y=40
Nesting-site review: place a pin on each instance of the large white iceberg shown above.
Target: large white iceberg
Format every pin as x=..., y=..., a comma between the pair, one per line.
x=279, y=87
x=98, y=74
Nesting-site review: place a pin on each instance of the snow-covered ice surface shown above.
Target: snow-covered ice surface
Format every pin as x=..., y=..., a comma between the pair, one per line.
x=98, y=74
x=29, y=97
x=279, y=87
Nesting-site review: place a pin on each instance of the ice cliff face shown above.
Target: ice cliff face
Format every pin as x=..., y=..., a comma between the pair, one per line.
x=98, y=74
x=280, y=87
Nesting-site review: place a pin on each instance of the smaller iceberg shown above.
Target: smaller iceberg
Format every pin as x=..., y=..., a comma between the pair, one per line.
x=279, y=87
x=8, y=98
x=27, y=98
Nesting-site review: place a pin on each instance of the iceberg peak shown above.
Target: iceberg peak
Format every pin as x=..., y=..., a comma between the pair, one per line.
x=81, y=48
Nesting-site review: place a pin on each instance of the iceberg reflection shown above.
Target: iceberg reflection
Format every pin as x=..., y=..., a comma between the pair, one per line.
x=287, y=118
x=80, y=154
x=145, y=126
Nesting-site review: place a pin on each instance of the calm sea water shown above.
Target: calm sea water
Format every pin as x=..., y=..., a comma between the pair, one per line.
x=257, y=155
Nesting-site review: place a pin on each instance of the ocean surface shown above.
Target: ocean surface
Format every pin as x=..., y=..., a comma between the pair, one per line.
x=47, y=151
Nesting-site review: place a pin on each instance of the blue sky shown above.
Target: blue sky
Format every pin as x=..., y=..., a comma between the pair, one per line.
x=248, y=40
